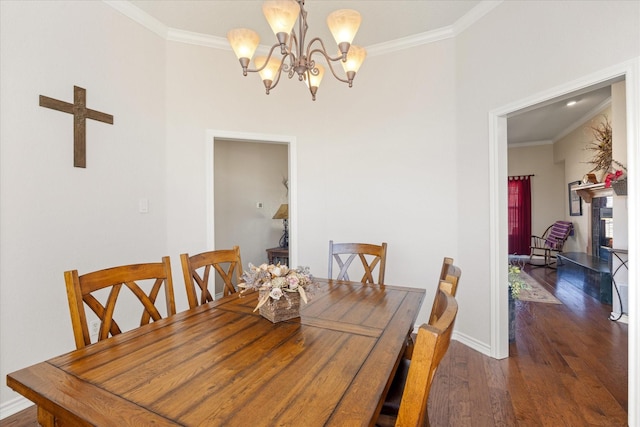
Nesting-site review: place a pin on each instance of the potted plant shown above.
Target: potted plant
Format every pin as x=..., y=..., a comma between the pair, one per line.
x=516, y=285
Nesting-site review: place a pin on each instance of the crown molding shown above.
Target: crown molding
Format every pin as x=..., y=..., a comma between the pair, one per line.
x=474, y=15
x=172, y=34
x=410, y=41
x=138, y=15
x=198, y=39
x=529, y=143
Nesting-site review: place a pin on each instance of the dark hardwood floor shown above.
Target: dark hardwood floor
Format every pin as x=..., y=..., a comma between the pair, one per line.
x=567, y=367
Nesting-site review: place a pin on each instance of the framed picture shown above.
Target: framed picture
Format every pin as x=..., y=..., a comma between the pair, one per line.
x=575, y=201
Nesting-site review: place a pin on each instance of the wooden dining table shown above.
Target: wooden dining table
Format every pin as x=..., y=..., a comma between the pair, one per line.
x=222, y=364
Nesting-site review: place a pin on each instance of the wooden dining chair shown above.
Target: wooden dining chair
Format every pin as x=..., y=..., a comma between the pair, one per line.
x=369, y=255
x=84, y=289
x=198, y=278
x=406, y=403
x=449, y=279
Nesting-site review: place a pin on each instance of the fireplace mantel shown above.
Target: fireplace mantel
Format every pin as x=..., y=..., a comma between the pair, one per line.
x=590, y=191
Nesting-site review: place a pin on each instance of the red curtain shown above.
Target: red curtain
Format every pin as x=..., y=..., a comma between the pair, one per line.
x=519, y=214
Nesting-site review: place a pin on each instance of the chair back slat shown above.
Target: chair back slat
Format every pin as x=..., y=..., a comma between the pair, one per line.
x=448, y=283
x=197, y=269
x=370, y=256
x=81, y=288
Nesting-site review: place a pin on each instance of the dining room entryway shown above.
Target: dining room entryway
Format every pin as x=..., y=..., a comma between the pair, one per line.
x=249, y=177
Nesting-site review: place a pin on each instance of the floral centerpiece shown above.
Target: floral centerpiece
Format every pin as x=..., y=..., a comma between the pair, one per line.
x=280, y=288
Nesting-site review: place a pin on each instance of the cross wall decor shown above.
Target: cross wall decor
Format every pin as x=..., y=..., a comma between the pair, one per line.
x=80, y=115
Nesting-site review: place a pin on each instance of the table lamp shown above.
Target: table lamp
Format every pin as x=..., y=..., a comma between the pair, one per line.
x=283, y=214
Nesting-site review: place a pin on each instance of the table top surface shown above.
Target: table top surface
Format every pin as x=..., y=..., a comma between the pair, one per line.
x=224, y=364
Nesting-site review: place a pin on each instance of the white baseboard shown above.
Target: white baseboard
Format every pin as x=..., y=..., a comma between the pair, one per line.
x=472, y=342
x=14, y=406
x=468, y=341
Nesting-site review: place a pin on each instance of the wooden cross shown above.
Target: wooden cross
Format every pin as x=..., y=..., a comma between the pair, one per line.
x=80, y=115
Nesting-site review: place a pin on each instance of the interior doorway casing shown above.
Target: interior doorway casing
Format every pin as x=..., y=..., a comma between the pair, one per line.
x=290, y=141
x=630, y=71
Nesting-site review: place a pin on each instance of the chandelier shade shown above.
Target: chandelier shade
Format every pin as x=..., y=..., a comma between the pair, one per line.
x=344, y=25
x=244, y=42
x=281, y=15
x=355, y=58
x=294, y=57
x=268, y=67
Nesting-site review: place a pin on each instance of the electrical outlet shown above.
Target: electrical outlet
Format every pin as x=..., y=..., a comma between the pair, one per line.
x=94, y=327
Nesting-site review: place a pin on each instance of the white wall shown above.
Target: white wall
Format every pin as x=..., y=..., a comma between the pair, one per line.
x=54, y=217
x=571, y=149
x=406, y=162
x=375, y=163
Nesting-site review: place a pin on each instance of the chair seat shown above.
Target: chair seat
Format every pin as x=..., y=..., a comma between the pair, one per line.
x=391, y=404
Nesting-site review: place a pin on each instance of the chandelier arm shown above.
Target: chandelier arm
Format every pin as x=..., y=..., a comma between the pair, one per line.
x=323, y=50
x=329, y=60
x=266, y=61
x=277, y=80
x=293, y=43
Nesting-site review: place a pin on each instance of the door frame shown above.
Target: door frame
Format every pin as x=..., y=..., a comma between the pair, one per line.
x=630, y=70
x=290, y=141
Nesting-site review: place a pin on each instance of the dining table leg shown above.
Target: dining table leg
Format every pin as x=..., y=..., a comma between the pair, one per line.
x=45, y=418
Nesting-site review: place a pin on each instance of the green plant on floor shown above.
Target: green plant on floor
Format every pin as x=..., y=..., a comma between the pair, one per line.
x=516, y=282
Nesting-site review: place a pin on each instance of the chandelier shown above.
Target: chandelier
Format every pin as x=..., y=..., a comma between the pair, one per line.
x=282, y=16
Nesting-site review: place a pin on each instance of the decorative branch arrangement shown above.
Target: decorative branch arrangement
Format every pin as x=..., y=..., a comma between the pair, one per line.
x=603, y=159
x=602, y=146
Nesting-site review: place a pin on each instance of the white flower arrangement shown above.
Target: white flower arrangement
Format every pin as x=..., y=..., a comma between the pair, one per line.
x=279, y=280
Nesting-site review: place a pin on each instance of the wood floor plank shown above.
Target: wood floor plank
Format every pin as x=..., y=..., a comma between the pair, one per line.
x=501, y=409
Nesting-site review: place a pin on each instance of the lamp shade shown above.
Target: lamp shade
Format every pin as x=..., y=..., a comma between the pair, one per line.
x=314, y=81
x=355, y=58
x=271, y=70
x=244, y=42
x=344, y=24
x=281, y=14
x=282, y=212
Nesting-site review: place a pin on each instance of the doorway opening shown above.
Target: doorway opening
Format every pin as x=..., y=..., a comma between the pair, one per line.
x=240, y=212
x=498, y=204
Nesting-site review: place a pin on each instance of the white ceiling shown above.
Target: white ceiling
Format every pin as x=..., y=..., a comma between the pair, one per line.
x=555, y=119
x=382, y=22
x=380, y=19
